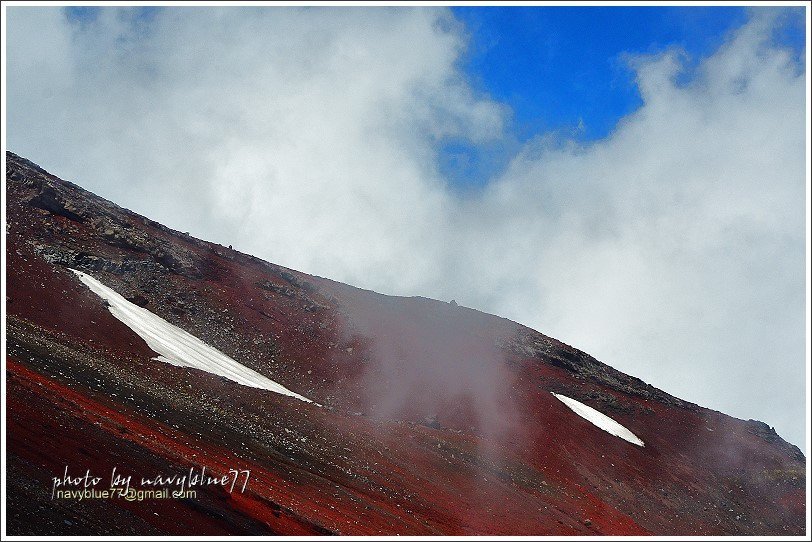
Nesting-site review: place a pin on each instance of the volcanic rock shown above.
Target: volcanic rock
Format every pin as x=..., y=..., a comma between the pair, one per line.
x=428, y=418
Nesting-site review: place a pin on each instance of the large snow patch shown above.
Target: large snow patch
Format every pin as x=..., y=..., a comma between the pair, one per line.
x=600, y=420
x=177, y=347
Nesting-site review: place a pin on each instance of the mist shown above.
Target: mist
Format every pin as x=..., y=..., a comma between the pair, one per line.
x=433, y=363
x=673, y=249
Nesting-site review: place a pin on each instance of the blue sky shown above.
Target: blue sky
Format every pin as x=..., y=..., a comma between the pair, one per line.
x=563, y=68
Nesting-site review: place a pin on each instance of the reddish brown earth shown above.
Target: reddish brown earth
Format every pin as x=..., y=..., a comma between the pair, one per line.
x=436, y=419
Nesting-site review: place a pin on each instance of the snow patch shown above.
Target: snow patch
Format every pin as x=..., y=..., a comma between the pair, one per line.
x=177, y=347
x=600, y=420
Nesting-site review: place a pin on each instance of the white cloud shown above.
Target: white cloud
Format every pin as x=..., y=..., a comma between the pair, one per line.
x=672, y=250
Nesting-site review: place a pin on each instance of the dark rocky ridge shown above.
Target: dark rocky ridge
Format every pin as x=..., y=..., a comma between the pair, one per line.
x=149, y=255
x=329, y=342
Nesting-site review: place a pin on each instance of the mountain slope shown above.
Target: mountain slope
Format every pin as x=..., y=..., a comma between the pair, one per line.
x=429, y=418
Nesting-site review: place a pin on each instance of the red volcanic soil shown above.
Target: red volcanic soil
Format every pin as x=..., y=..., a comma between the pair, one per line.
x=435, y=419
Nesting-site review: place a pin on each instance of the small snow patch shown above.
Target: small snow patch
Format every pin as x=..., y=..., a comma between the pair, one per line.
x=600, y=420
x=177, y=347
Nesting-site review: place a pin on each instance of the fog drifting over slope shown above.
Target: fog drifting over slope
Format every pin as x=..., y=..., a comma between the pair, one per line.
x=672, y=250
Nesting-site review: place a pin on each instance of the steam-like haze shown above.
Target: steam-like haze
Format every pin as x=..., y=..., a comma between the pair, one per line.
x=433, y=362
x=672, y=250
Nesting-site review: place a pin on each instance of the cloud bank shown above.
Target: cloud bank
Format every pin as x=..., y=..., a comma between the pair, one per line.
x=672, y=250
